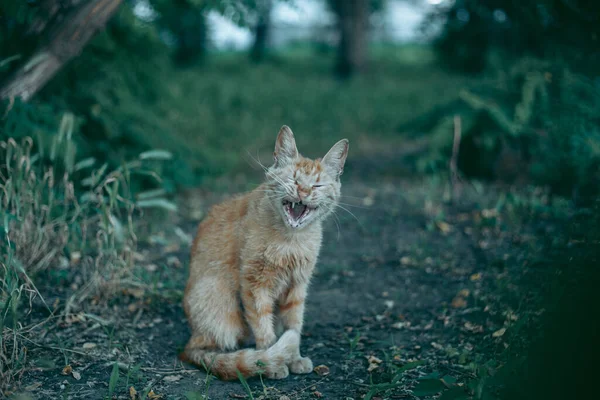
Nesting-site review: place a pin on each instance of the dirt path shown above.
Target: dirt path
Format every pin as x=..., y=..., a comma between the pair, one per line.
x=407, y=291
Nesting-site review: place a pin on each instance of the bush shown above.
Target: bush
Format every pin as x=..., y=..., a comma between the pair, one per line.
x=537, y=121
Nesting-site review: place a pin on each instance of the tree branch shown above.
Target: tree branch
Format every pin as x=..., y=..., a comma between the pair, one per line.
x=66, y=40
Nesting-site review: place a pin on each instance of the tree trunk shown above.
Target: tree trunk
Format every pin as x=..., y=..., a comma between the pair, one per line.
x=352, y=20
x=191, y=32
x=66, y=38
x=261, y=31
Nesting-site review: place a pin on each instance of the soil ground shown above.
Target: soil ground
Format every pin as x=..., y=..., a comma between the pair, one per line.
x=409, y=289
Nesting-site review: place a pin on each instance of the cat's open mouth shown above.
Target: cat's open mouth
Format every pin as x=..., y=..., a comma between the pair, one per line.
x=296, y=212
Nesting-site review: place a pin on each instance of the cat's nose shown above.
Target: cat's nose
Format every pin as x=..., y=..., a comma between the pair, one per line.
x=303, y=193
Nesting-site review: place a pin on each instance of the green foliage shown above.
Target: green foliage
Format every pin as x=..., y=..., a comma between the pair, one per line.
x=476, y=32
x=15, y=44
x=56, y=211
x=545, y=113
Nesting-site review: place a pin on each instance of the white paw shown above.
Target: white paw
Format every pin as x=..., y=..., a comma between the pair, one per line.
x=266, y=341
x=302, y=365
x=278, y=372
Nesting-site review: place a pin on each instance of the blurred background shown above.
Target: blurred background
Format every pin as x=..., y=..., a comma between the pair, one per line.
x=212, y=80
x=191, y=94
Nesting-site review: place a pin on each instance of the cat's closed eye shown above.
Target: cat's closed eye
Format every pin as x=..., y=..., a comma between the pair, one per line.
x=318, y=186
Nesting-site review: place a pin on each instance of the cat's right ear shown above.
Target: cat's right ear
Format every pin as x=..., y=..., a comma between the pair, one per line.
x=285, y=147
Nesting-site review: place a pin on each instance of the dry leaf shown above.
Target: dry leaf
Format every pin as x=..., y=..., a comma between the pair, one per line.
x=399, y=325
x=373, y=363
x=436, y=346
x=133, y=307
x=373, y=359
x=172, y=378
x=459, y=302
x=444, y=226
x=476, y=277
x=318, y=394
x=76, y=375
x=500, y=332
x=154, y=396
x=75, y=257
x=88, y=346
x=67, y=370
x=473, y=327
x=132, y=392
x=372, y=367
x=33, y=386
x=406, y=260
x=490, y=213
x=242, y=396
x=322, y=370
x=464, y=293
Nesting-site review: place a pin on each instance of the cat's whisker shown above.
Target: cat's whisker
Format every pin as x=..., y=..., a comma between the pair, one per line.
x=256, y=160
x=348, y=211
x=353, y=205
x=278, y=179
x=336, y=219
x=268, y=172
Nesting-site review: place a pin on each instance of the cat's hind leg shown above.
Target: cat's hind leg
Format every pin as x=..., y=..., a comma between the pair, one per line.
x=214, y=312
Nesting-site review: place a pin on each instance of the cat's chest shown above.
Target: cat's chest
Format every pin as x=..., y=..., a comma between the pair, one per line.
x=291, y=254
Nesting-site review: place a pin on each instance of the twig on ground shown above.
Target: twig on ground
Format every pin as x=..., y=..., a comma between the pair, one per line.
x=51, y=347
x=307, y=387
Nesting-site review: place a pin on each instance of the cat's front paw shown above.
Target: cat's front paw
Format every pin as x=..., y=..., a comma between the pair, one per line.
x=302, y=365
x=278, y=372
x=266, y=341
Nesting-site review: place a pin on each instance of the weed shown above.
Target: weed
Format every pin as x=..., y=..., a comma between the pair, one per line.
x=59, y=208
x=395, y=382
x=245, y=384
x=209, y=376
x=114, y=380
x=353, y=342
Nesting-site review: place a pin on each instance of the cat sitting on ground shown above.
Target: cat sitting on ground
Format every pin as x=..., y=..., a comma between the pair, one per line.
x=251, y=263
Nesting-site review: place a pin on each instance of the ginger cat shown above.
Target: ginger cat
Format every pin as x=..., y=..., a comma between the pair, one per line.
x=251, y=263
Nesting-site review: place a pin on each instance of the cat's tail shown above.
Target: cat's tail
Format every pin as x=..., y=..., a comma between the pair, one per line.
x=271, y=362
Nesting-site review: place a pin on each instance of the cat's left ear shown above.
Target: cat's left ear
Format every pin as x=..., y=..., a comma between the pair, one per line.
x=285, y=147
x=335, y=158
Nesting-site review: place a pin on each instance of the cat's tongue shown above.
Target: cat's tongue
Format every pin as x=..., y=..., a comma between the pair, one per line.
x=297, y=209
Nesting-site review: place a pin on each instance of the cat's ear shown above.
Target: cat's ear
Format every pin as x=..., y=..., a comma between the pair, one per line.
x=285, y=147
x=336, y=157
